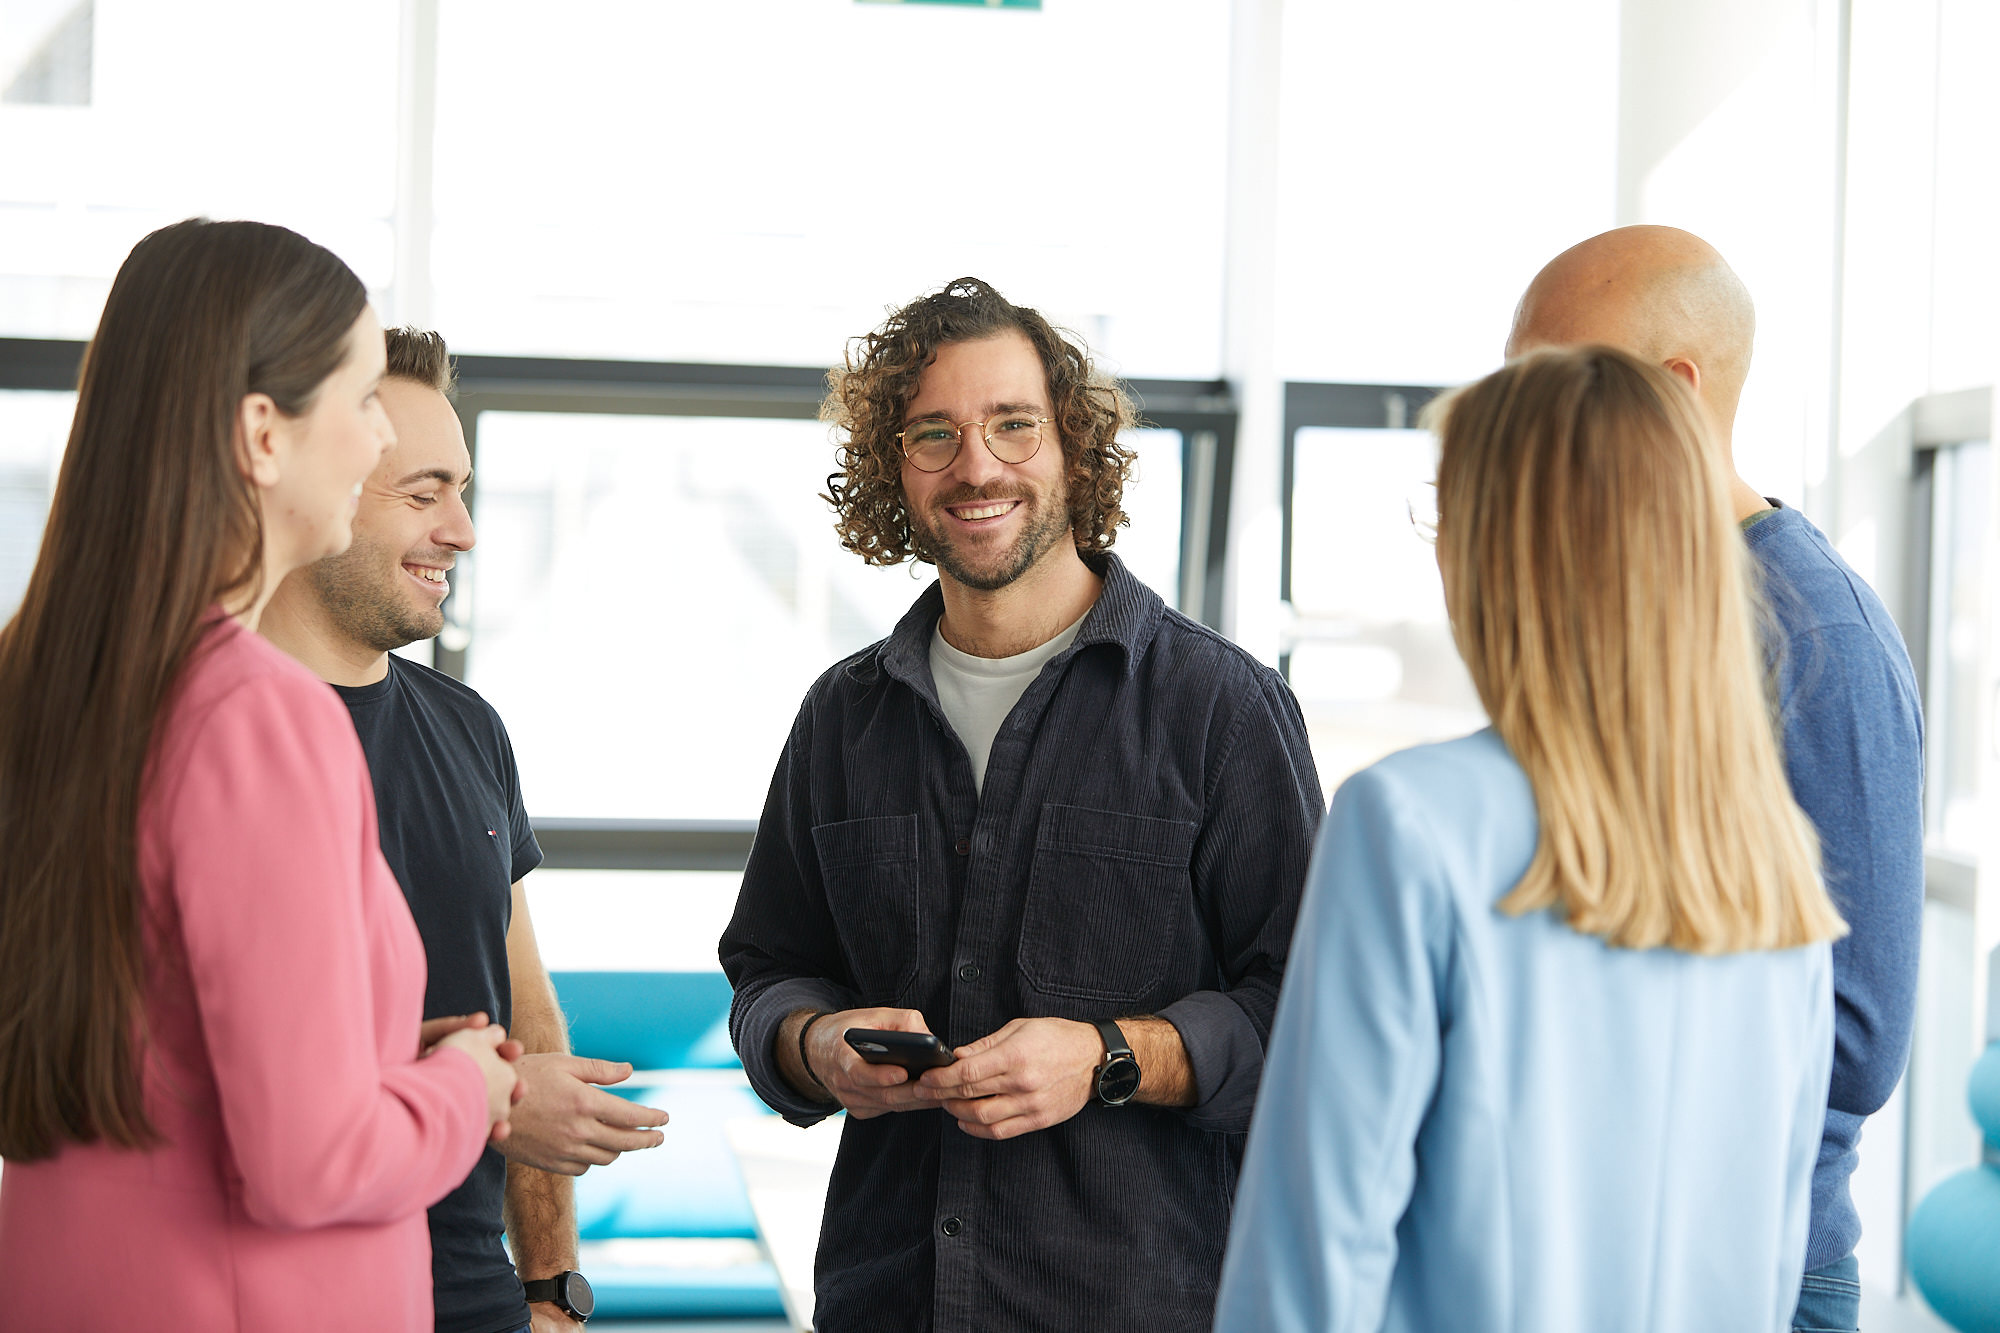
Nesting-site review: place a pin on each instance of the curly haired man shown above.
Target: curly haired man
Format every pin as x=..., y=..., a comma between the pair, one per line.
x=1049, y=820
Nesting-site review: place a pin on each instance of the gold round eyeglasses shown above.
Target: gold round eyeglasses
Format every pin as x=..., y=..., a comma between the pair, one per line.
x=1011, y=437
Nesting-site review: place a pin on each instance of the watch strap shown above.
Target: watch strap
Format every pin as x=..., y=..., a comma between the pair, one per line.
x=1115, y=1044
x=553, y=1290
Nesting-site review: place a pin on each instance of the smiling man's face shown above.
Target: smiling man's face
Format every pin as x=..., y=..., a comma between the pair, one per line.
x=984, y=522
x=388, y=588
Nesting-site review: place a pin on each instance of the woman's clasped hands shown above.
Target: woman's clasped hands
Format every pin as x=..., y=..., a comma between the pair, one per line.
x=496, y=1054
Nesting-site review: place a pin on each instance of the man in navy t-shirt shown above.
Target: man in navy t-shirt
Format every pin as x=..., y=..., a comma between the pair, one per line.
x=1853, y=732
x=455, y=832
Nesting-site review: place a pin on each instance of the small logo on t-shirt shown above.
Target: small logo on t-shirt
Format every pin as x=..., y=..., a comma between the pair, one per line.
x=492, y=833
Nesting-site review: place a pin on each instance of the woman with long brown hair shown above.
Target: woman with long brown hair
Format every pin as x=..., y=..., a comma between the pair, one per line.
x=213, y=1107
x=1553, y=1049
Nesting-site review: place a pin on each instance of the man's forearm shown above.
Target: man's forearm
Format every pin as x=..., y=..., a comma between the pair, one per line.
x=785, y=1049
x=1166, y=1077
x=540, y=1206
x=540, y=1212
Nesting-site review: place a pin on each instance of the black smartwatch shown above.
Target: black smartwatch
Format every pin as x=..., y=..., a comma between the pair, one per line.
x=567, y=1291
x=1118, y=1076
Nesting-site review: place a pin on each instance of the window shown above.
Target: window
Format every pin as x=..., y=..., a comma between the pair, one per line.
x=1962, y=518
x=1950, y=512
x=1151, y=545
x=756, y=182
x=652, y=596
x=167, y=134
x=1433, y=157
x=1372, y=660
x=630, y=920
x=45, y=51
x=650, y=600
x=33, y=428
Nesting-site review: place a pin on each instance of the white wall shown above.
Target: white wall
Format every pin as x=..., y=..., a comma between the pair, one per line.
x=1726, y=129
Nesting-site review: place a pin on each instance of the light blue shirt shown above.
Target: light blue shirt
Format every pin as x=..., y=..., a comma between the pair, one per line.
x=1471, y=1121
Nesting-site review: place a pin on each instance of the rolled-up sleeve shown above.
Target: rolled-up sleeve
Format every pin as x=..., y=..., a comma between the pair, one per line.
x=1263, y=807
x=781, y=951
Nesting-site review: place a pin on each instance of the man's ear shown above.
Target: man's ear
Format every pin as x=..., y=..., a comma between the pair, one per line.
x=257, y=445
x=1687, y=372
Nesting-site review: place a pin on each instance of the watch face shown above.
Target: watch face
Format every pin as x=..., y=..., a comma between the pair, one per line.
x=580, y=1297
x=1118, y=1080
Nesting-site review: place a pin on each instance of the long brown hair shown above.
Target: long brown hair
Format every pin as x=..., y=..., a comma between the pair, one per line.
x=152, y=522
x=869, y=391
x=1601, y=597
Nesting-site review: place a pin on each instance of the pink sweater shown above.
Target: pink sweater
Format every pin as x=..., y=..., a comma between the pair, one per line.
x=303, y=1138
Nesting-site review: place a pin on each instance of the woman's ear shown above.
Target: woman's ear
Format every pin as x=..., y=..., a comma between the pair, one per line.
x=258, y=422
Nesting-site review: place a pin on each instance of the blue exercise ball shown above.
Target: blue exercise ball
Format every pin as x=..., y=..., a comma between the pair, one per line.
x=1954, y=1236
x=1983, y=1091
x=1954, y=1250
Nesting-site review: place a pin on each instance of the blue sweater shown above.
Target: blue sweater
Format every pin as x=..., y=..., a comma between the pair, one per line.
x=1854, y=751
x=1485, y=1123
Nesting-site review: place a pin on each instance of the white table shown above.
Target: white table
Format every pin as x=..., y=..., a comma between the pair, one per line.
x=785, y=1170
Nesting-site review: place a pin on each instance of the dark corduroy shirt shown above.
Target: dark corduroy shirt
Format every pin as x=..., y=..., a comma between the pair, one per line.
x=1139, y=848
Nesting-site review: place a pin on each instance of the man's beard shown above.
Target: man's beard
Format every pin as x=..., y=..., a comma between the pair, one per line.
x=359, y=592
x=1047, y=524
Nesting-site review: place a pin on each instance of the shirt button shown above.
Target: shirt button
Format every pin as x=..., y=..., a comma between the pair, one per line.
x=969, y=972
x=963, y=847
x=951, y=1226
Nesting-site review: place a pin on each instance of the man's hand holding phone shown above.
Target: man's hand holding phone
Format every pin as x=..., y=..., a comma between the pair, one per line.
x=865, y=1090
x=1031, y=1074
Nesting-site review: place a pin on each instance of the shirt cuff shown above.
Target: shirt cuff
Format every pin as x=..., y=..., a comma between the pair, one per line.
x=758, y=1030
x=1225, y=1057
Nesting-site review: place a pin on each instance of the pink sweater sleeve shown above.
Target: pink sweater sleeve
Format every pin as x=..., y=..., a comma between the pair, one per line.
x=271, y=831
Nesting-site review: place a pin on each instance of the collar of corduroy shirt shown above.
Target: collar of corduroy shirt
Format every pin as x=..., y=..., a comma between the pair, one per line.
x=1127, y=613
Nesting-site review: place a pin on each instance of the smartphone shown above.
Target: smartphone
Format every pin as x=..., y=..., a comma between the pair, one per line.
x=914, y=1051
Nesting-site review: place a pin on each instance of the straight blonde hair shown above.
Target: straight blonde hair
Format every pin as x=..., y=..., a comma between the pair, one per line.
x=1601, y=595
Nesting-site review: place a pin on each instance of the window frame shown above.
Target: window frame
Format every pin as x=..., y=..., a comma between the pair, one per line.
x=1204, y=412
x=1314, y=405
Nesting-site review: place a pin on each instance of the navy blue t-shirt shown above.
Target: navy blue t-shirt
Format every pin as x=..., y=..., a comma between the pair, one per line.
x=455, y=832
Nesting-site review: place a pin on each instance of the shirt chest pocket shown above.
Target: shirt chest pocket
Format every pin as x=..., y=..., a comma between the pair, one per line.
x=869, y=870
x=1109, y=899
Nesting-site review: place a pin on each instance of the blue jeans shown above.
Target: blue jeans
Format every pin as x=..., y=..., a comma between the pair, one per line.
x=1830, y=1299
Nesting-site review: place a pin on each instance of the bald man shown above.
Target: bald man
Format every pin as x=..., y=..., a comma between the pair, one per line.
x=1853, y=734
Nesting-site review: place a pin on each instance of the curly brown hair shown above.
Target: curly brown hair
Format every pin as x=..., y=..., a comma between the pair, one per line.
x=870, y=390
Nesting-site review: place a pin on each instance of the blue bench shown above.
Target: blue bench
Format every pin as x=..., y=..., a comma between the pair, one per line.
x=666, y=1231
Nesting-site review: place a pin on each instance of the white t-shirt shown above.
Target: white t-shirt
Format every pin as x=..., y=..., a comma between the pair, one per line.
x=977, y=693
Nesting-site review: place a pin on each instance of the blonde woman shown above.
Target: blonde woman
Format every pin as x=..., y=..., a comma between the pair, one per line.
x=1553, y=1048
